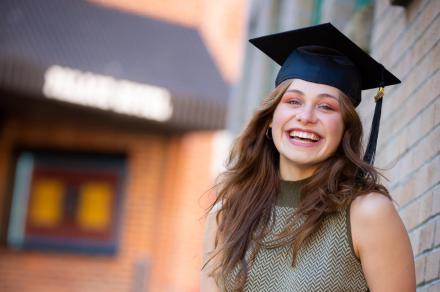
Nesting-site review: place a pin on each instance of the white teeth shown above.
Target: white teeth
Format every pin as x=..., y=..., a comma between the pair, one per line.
x=304, y=135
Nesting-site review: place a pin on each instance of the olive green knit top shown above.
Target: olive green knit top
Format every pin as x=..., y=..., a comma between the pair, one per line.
x=326, y=262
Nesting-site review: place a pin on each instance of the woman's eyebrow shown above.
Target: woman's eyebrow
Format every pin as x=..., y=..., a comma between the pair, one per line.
x=295, y=91
x=322, y=95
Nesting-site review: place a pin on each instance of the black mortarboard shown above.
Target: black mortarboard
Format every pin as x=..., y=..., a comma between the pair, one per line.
x=322, y=54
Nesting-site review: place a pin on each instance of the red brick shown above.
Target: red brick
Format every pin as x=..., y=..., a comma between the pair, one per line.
x=410, y=215
x=436, y=201
x=426, y=237
x=425, y=14
x=417, y=183
x=434, y=287
x=422, y=46
x=418, y=73
x=414, y=237
x=382, y=12
x=379, y=8
x=432, y=270
x=143, y=216
x=437, y=113
x=409, y=110
x=420, y=264
x=425, y=208
x=417, y=211
x=411, y=134
x=404, y=193
x=437, y=233
x=386, y=31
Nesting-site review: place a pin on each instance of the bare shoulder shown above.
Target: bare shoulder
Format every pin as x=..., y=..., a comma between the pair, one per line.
x=373, y=215
x=372, y=207
x=381, y=242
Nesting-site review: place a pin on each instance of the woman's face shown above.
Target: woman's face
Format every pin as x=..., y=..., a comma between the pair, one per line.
x=307, y=127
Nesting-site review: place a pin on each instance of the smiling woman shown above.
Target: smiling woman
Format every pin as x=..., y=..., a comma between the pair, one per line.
x=299, y=208
x=307, y=127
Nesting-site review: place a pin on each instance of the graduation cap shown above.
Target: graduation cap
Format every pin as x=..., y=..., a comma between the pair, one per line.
x=323, y=54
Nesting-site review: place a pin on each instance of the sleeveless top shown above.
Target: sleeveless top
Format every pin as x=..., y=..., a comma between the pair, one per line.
x=325, y=262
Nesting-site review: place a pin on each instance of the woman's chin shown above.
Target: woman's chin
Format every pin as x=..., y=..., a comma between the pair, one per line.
x=301, y=161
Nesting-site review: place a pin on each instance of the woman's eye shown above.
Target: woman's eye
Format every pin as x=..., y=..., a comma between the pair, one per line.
x=325, y=107
x=294, y=101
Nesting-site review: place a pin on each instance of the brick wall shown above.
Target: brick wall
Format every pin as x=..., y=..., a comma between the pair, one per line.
x=181, y=230
x=161, y=226
x=406, y=41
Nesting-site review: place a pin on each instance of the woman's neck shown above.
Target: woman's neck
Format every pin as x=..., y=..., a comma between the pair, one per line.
x=292, y=172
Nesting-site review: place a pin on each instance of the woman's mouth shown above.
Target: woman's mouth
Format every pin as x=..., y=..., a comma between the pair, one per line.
x=304, y=138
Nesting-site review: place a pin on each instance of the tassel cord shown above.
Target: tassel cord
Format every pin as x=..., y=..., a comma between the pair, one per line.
x=374, y=132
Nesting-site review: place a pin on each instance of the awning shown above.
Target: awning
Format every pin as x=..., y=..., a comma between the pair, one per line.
x=87, y=55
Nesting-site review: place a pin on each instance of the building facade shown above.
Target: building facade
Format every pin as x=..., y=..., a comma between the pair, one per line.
x=108, y=130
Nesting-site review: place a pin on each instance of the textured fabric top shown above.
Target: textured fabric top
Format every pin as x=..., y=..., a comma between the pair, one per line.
x=325, y=263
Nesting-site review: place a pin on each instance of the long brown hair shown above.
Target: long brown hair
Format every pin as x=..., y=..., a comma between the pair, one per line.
x=247, y=190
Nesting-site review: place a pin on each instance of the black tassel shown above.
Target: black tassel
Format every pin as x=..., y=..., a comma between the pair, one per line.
x=374, y=133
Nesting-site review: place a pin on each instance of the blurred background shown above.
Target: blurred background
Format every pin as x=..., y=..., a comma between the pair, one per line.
x=117, y=116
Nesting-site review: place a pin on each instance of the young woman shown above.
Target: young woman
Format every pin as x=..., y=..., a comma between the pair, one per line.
x=298, y=209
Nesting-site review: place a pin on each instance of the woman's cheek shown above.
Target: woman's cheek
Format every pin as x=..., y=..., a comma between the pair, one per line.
x=336, y=127
x=278, y=118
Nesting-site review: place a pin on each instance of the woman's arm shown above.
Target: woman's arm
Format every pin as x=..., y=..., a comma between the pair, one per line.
x=381, y=242
x=207, y=283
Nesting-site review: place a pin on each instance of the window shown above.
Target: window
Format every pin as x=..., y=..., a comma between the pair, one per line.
x=66, y=201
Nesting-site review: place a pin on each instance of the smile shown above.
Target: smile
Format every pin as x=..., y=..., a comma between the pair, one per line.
x=303, y=136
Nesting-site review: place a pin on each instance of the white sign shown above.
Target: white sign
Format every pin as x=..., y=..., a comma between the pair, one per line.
x=107, y=93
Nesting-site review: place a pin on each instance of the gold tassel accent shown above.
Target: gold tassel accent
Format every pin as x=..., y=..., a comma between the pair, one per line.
x=380, y=93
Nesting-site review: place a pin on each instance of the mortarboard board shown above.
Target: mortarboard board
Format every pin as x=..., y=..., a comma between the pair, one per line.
x=323, y=54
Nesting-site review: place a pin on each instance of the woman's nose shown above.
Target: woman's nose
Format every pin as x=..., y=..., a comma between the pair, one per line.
x=306, y=115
